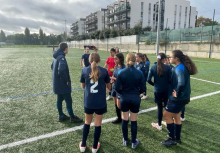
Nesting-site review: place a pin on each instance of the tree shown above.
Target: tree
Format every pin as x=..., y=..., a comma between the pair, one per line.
x=35, y=39
x=120, y=32
x=2, y=36
x=19, y=39
x=106, y=33
x=101, y=36
x=96, y=34
x=113, y=33
x=92, y=35
x=41, y=34
x=59, y=39
x=138, y=29
x=128, y=32
x=65, y=35
x=205, y=21
x=27, y=36
x=147, y=28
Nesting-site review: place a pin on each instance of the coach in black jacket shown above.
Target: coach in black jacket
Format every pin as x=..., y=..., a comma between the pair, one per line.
x=62, y=83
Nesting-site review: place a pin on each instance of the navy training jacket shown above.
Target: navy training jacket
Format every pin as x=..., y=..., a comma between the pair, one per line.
x=60, y=73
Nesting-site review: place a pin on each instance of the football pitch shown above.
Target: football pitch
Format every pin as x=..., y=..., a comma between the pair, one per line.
x=29, y=118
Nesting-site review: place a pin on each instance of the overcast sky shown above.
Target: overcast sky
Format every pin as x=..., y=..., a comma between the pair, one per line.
x=50, y=15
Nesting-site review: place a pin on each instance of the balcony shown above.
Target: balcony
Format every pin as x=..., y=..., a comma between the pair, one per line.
x=74, y=32
x=91, y=28
x=93, y=20
x=115, y=21
x=76, y=27
x=118, y=10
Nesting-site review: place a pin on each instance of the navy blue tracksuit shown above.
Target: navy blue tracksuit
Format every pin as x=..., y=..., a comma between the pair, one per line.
x=180, y=82
x=161, y=86
x=130, y=84
x=60, y=77
x=144, y=69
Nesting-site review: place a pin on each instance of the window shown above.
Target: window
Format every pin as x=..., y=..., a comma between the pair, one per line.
x=174, y=26
x=141, y=15
x=149, y=7
x=142, y=6
x=175, y=10
x=180, y=16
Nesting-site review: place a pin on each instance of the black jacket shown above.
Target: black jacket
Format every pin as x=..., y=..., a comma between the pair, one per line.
x=60, y=73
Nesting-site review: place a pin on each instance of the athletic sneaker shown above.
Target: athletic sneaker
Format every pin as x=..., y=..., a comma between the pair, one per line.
x=168, y=142
x=157, y=126
x=76, y=119
x=164, y=123
x=125, y=143
x=109, y=97
x=95, y=150
x=134, y=145
x=82, y=149
x=182, y=119
x=116, y=121
x=144, y=97
x=64, y=118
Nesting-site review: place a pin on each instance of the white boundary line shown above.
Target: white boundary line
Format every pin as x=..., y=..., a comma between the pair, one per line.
x=205, y=80
x=206, y=61
x=56, y=133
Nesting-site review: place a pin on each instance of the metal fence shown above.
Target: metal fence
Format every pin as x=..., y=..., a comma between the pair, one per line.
x=198, y=34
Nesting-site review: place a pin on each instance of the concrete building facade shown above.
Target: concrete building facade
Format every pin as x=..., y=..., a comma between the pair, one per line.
x=95, y=21
x=78, y=28
x=125, y=14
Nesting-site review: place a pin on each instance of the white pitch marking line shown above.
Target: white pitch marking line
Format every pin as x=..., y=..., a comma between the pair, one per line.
x=205, y=80
x=205, y=61
x=49, y=135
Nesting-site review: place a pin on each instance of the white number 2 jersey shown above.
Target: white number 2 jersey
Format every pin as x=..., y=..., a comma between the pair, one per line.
x=95, y=92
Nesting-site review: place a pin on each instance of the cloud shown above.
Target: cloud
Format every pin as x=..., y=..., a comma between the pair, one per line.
x=50, y=15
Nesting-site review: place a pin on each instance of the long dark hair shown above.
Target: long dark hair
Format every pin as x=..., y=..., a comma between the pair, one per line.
x=142, y=57
x=121, y=59
x=146, y=58
x=160, y=64
x=189, y=64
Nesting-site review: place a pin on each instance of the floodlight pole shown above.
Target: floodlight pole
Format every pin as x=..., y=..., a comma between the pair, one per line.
x=158, y=29
x=166, y=38
x=212, y=34
x=66, y=32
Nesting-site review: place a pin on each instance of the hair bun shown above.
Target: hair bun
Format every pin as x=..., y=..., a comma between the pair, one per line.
x=131, y=63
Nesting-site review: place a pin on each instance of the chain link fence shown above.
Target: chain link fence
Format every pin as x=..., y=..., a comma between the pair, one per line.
x=198, y=34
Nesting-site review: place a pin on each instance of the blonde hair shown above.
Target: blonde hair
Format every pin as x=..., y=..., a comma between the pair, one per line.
x=95, y=74
x=130, y=59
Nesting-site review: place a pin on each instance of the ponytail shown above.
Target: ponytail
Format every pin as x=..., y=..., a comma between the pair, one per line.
x=130, y=59
x=189, y=64
x=146, y=58
x=131, y=63
x=160, y=64
x=95, y=74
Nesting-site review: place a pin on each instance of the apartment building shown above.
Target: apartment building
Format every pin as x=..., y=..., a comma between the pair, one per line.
x=95, y=21
x=78, y=28
x=125, y=14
